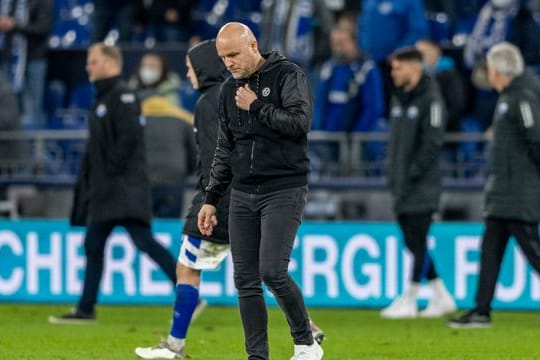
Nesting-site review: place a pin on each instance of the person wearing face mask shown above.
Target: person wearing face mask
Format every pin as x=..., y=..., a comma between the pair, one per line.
x=155, y=78
x=350, y=95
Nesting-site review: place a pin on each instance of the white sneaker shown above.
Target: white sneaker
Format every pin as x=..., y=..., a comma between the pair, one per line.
x=308, y=352
x=439, y=306
x=403, y=307
x=161, y=351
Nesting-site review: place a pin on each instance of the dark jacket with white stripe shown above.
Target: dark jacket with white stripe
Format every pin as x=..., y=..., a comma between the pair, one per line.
x=417, y=126
x=513, y=187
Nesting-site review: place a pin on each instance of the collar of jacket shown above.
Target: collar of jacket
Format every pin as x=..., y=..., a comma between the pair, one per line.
x=104, y=85
x=406, y=96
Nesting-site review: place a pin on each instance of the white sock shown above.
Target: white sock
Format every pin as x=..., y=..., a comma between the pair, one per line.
x=175, y=343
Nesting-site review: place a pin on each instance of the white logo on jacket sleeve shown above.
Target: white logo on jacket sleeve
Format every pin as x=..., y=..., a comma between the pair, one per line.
x=526, y=114
x=101, y=110
x=396, y=111
x=142, y=120
x=266, y=91
x=127, y=98
x=435, y=113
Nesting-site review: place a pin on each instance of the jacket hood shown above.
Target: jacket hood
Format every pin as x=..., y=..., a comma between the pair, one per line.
x=272, y=58
x=209, y=68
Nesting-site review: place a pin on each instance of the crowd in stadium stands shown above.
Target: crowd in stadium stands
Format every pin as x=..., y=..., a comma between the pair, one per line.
x=342, y=44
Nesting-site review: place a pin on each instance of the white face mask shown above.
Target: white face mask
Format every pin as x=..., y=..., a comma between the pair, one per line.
x=149, y=75
x=501, y=3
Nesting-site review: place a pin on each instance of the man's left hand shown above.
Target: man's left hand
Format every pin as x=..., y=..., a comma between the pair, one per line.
x=6, y=23
x=244, y=97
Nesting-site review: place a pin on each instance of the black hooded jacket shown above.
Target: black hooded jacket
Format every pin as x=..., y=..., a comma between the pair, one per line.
x=211, y=73
x=265, y=149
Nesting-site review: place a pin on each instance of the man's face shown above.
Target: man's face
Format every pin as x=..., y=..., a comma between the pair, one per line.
x=402, y=72
x=239, y=55
x=97, y=65
x=191, y=75
x=343, y=46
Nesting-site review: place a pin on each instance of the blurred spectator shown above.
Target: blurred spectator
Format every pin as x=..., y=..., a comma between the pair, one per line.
x=503, y=20
x=170, y=154
x=350, y=95
x=450, y=81
x=109, y=14
x=167, y=20
x=498, y=21
x=385, y=25
x=24, y=29
x=291, y=27
x=9, y=121
x=154, y=77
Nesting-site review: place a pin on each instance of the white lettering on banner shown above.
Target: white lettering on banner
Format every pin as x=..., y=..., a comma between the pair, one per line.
x=122, y=265
x=391, y=267
x=293, y=265
x=74, y=263
x=514, y=291
x=371, y=270
x=148, y=286
x=535, y=286
x=325, y=268
x=465, y=268
x=12, y=284
x=230, y=288
x=51, y=262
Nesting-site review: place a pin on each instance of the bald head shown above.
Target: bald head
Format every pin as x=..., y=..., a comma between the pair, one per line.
x=235, y=30
x=237, y=47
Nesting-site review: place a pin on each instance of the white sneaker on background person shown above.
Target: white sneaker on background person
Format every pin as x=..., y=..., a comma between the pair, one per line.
x=162, y=351
x=441, y=302
x=404, y=306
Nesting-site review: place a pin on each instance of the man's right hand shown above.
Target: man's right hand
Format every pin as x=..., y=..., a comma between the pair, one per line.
x=206, y=219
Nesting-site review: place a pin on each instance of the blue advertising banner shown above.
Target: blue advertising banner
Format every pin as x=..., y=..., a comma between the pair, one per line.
x=335, y=264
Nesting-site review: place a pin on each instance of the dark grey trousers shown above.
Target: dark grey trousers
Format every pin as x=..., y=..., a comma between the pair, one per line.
x=262, y=230
x=496, y=235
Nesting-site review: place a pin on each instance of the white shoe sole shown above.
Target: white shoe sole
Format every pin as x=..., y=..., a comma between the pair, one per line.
x=469, y=326
x=59, y=321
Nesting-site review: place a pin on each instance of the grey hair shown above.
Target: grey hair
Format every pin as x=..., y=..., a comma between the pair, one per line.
x=506, y=59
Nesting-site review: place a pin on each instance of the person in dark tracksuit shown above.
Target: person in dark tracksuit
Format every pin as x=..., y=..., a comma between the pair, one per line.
x=113, y=188
x=417, y=116
x=512, y=191
x=265, y=115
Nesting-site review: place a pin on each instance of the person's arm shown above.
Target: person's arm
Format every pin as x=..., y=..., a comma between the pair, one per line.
x=220, y=173
x=529, y=123
x=294, y=117
x=42, y=23
x=432, y=139
x=372, y=100
x=127, y=132
x=321, y=98
x=416, y=23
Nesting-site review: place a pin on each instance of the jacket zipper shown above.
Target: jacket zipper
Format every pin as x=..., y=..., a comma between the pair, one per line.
x=251, y=157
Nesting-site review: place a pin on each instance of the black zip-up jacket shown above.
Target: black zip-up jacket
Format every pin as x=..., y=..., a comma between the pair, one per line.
x=211, y=72
x=265, y=149
x=113, y=182
x=416, y=137
x=513, y=187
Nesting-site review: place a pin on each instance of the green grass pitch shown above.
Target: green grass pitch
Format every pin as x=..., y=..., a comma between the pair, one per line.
x=351, y=334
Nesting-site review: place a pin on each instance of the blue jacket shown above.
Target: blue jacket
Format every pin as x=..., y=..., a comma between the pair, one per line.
x=349, y=98
x=385, y=25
